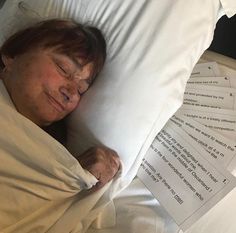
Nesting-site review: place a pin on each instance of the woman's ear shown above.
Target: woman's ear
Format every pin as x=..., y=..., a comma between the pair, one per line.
x=7, y=61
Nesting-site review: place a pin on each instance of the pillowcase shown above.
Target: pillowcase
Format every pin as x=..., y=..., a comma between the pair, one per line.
x=229, y=7
x=152, y=48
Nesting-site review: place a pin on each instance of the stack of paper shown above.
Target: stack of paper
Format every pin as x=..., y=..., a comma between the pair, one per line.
x=191, y=164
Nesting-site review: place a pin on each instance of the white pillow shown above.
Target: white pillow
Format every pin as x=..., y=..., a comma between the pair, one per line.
x=152, y=48
x=229, y=7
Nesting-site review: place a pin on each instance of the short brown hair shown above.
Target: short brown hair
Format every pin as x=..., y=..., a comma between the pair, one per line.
x=67, y=37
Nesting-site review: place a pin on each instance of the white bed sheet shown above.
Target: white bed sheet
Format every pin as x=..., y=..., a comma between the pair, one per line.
x=137, y=211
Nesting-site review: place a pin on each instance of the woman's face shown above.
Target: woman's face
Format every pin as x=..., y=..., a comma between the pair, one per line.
x=44, y=85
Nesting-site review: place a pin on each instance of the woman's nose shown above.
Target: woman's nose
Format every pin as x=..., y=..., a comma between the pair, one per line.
x=69, y=93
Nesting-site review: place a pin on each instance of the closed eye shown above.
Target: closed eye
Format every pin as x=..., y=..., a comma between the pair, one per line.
x=62, y=70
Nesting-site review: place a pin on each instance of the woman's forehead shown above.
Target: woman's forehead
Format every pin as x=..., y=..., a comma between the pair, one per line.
x=74, y=57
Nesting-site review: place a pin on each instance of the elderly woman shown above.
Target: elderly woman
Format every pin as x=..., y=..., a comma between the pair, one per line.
x=46, y=69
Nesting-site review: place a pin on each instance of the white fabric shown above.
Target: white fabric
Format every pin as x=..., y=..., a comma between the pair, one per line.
x=39, y=178
x=150, y=57
x=137, y=211
x=152, y=48
x=229, y=7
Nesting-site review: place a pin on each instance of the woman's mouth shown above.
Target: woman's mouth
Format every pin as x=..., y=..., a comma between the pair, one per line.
x=57, y=105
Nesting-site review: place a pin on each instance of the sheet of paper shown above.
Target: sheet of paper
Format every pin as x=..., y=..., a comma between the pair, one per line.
x=210, y=81
x=220, y=120
x=212, y=88
x=220, y=148
x=222, y=99
x=228, y=72
x=206, y=69
x=182, y=176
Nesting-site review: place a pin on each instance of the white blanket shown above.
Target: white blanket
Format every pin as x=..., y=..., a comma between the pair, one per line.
x=40, y=181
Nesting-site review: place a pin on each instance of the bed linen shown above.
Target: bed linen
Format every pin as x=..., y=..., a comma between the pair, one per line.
x=39, y=178
x=229, y=7
x=115, y=120
x=139, y=212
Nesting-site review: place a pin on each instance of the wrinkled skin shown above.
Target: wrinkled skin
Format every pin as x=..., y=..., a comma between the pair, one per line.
x=102, y=162
x=45, y=86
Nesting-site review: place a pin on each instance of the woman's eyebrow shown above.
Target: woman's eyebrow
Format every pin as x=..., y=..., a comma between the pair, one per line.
x=70, y=59
x=75, y=61
x=89, y=80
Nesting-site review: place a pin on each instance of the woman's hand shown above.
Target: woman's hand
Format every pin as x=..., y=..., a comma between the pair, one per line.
x=102, y=162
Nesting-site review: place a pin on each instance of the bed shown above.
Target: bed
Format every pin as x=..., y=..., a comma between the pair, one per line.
x=138, y=211
x=143, y=41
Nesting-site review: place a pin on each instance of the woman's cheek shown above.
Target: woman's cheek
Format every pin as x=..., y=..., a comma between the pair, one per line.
x=74, y=105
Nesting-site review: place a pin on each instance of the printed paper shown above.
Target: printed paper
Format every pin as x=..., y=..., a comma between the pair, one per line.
x=220, y=120
x=218, y=147
x=210, y=81
x=209, y=98
x=182, y=176
x=206, y=69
